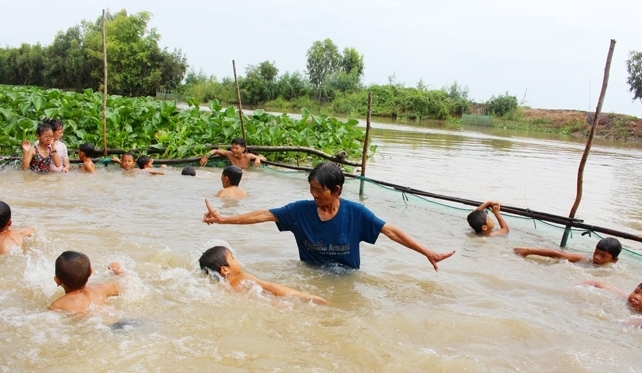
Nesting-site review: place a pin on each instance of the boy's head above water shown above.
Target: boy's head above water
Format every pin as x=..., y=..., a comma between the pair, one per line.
x=128, y=161
x=72, y=270
x=220, y=260
x=480, y=221
x=606, y=251
x=5, y=215
x=635, y=299
x=144, y=161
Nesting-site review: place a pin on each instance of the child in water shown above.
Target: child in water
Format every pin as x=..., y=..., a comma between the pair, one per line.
x=41, y=155
x=236, y=155
x=146, y=163
x=127, y=162
x=606, y=251
x=483, y=224
x=85, y=152
x=72, y=272
x=231, y=177
x=10, y=238
x=221, y=261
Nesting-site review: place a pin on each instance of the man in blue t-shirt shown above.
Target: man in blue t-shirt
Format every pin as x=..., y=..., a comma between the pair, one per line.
x=329, y=228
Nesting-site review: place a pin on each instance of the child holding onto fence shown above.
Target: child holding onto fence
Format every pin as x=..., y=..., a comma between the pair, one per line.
x=237, y=155
x=85, y=152
x=10, y=238
x=146, y=164
x=220, y=261
x=127, y=162
x=73, y=269
x=606, y=251
x=231, y=177
x=483, y=224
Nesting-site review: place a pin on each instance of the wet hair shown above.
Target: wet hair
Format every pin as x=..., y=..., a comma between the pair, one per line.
x=328, y=175
x=87, y=149
x=5, y=214
x=234, y=173
x=189, y=171
x=213, y=259
x=477, y=219
x=610, y=245
x=129, y=154
x=42, y=128
x=55, y=124
x=142, y=161
x=73, y=269
x=239, y=141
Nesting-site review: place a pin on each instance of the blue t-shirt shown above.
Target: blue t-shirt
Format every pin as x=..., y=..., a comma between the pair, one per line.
x=332, y=241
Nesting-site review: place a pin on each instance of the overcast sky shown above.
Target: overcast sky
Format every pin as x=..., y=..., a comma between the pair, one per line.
x=553, y=52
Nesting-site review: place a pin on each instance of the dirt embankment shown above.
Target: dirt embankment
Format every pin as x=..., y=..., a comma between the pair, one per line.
x=575, y=122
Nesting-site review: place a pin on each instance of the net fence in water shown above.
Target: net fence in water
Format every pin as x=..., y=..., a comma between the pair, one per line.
x=528, y=226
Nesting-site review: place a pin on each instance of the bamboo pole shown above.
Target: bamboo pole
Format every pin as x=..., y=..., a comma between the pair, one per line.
x=366, y=141
x=104, y=88
x=238, y=96
x=587, y=149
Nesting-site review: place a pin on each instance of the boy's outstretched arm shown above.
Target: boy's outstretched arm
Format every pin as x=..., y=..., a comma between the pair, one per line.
x=600, y=285
x=114, y=288
x=281, y=290
x=403, y=238
x=258, y=216
x=571, y=257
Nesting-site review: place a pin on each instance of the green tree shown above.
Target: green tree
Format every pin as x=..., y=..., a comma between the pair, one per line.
x=291, y=86
x=67, y=67
x=634, y=68
x=137, y=66
x=501, y=105
x=260, y=84
x=323, y=61
x=352, y=62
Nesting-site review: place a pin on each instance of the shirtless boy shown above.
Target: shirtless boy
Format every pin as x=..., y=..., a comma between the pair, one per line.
x=72, y=272
x=10, y=238
x=236, y=155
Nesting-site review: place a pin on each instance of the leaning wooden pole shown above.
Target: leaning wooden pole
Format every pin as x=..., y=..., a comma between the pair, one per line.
x=587, y=149
x=366, y=141
x=238, y=97
x=104, y=88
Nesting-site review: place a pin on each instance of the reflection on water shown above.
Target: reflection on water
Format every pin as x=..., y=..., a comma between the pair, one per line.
x=486, y=310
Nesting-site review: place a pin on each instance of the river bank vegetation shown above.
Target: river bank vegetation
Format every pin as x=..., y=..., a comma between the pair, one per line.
x=331, y=85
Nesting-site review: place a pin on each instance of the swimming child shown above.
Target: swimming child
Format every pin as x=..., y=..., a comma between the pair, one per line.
x=188, y=171
x=483, y=224
x=128, y=161
x=236, y=155
x=41, y=155
x=85, y=152
x=72, y=272
x=606, y=251
x=220, y=260
x=10, y=238
x=634, y=300
x=231, y=177
x=146, y=163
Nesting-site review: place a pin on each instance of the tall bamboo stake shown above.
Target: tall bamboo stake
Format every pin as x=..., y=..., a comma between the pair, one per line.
x=104, y=89
x=587, y=149
x=238, y=96
x=366, y=141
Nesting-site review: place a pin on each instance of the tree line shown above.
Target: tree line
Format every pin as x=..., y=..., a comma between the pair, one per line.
x=74, y=60
x=332, y=81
